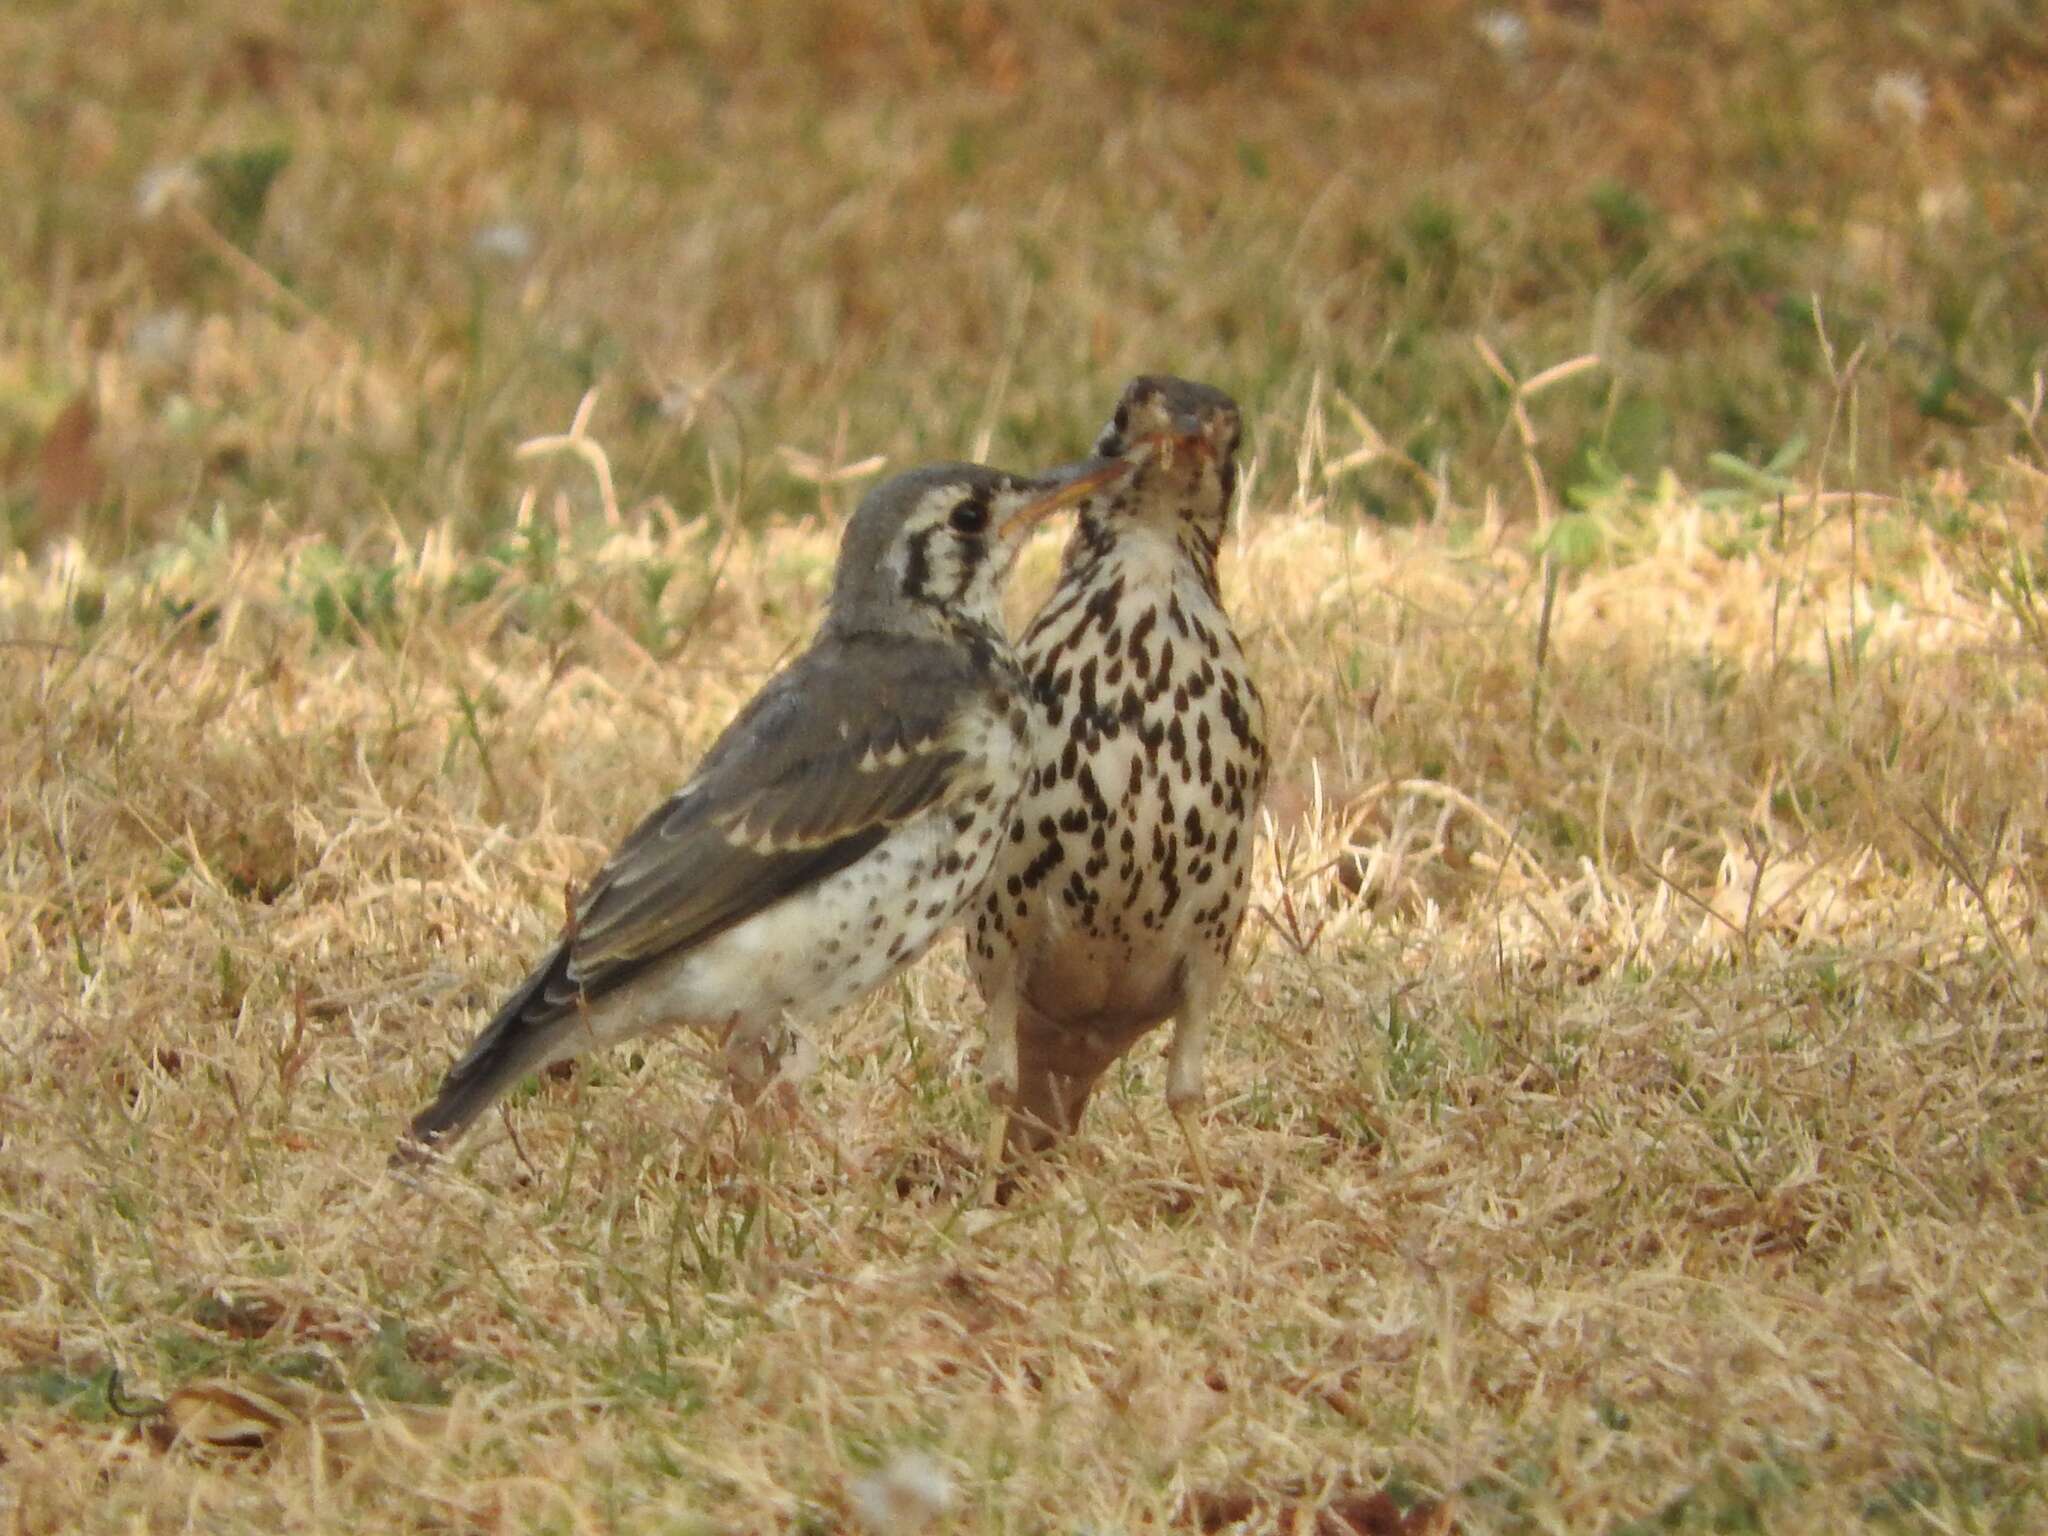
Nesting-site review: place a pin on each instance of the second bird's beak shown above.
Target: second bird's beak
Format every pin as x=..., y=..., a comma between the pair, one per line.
x=1070, y=483
x=1186, y=437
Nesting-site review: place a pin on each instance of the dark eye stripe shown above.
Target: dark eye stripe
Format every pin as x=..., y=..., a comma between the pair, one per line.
x=917, y=565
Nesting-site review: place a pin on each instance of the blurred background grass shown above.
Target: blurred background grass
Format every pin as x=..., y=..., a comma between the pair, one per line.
x=336, y=261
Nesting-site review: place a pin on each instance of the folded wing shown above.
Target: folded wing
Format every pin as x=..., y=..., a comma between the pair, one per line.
x=817, y=771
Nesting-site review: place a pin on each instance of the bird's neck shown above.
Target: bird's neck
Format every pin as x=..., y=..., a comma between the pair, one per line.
x=979, y=637
x=987, y=646
x=1178, y=548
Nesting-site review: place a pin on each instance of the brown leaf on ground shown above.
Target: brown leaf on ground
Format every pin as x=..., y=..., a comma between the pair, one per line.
x=1291, y=802
x=258, y=62
x=69, y=475
x=1294, y=802
x=1340, y=1511
x=211, y=1419
x=264, y=1416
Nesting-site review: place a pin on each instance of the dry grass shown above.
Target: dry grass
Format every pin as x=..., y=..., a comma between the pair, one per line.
x=1651, y=1121
x=1633, y=1114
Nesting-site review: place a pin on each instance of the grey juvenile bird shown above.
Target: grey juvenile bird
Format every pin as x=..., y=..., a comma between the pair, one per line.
x=843, y=820
x=1121, y=886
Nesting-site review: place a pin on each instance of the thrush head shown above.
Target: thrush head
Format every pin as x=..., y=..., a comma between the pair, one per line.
x=1191, y=477
x=931, y=549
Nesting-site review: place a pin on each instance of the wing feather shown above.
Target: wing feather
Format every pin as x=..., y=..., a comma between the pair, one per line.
x=811, y=777
x=851, y=741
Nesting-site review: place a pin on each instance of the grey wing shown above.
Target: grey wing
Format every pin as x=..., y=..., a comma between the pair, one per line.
x=832, y=755
x=801, y=787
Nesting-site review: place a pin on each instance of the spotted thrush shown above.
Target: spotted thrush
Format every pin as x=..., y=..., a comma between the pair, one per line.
x=1122, y=881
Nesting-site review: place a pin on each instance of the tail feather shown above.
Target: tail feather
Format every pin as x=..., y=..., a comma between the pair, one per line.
x=522, y=1038
x=1060, y=1060
x=1058, y=1067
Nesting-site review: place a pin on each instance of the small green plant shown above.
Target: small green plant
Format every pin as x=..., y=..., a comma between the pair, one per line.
x=1752, y=482
x=240, y=180
x=349, y=600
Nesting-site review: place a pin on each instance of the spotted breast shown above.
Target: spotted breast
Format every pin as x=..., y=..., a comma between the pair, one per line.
x=1119, y=892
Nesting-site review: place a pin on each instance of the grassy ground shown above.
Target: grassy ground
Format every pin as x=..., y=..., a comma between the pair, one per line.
x=335, y=260
x=1633, y=1112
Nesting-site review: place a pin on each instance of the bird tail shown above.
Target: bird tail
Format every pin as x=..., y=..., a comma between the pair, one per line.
x=1050, y=1101
x=525, y=1036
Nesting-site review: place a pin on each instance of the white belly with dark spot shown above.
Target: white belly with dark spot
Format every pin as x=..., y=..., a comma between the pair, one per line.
x=824, y=947
x=1131, y=846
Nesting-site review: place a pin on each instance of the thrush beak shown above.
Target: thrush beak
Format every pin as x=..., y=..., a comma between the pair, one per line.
x=1186, y=436
x=1071, y=483
x=1196, y=433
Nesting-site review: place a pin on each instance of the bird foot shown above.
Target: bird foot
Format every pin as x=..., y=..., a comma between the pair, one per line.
x=1191, y=1132
x=993, y=1152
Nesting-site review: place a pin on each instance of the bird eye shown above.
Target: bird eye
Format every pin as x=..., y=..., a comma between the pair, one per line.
x=971, y=516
